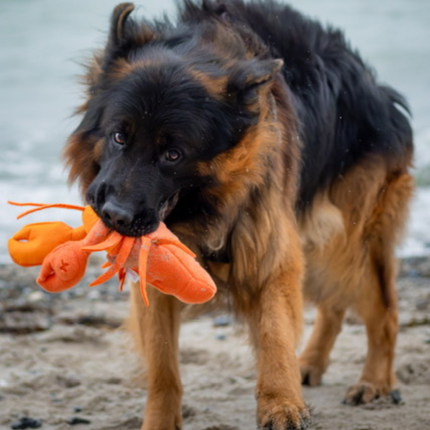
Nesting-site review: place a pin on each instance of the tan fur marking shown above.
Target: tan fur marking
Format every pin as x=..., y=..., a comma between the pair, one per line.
x=321, y=224
x=215, y=86
x=80, y=158
x=120, y=69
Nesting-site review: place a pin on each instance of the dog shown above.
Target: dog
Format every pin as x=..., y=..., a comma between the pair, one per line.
x=265, y=143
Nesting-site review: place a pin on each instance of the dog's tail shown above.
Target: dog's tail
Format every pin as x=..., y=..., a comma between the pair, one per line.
x=400, y=114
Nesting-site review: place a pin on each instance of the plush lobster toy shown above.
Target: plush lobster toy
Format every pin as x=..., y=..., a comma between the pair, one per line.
x=162, y=260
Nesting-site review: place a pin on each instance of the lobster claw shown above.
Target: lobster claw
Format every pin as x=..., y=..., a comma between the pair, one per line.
x=63, y=268
x=30, y=245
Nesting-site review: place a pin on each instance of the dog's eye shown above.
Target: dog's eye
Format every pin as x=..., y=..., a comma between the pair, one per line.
x=172, y=155
x=119, y=138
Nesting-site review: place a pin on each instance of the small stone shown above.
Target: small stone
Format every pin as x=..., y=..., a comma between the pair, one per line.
x=396, y=397
x=36, y=296
x=221, y=336
x=188, y=411
x=77, y=420
x=69, y=381
x=26, y=423
x=114, y=380
x=222, y=321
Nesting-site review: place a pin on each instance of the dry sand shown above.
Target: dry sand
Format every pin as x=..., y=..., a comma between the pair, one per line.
x=63, y=357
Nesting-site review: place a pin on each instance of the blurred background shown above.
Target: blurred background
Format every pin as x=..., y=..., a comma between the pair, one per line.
x=44, y=42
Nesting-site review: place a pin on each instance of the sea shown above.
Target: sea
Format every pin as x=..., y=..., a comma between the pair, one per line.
x=43, y=44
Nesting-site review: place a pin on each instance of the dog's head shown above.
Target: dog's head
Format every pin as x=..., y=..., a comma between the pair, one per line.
x=162, y=105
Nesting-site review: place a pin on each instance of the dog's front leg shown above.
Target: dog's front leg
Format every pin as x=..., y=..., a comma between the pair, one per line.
x=275, y=327
x=156, y=332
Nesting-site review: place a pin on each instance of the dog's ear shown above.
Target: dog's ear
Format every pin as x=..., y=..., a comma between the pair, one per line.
x=263, y=72
x=118, y=24
x=249, y=77
x=125, y=32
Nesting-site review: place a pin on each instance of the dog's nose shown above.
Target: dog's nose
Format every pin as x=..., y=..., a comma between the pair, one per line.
x=116, y=215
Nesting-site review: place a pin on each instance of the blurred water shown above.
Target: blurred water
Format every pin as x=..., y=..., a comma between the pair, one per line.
x=43, y=41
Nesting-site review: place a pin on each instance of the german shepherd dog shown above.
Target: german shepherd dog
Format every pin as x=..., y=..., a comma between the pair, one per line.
x=265, y=143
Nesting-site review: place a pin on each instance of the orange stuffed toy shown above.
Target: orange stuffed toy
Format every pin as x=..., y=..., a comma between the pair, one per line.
x=163, y=261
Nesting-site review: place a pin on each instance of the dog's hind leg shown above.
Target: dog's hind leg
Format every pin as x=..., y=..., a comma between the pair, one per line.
x=156, y=331
x=377, y=378
x=377, y=301
x=314, y=360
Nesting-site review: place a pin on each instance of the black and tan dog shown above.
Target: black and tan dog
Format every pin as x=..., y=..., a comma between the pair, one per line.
x=265, y=142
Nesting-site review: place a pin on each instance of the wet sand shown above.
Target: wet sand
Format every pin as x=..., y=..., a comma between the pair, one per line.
x=65, y=359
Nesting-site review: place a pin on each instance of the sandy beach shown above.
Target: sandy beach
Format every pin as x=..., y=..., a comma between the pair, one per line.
x=65, y=362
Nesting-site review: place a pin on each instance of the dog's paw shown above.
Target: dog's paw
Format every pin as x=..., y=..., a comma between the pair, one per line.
x=311, y=374
x=366, y=392
x=277, y=414
x=162, y=421
x=175, y=427
x=360, y=393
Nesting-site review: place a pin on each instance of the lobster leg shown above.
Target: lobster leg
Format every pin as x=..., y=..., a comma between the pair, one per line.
x=113, y=240
x=121, y=275
x=166, y=241
x=126, y=246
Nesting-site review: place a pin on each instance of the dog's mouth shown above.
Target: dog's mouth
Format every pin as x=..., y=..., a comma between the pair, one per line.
x=167, y=206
